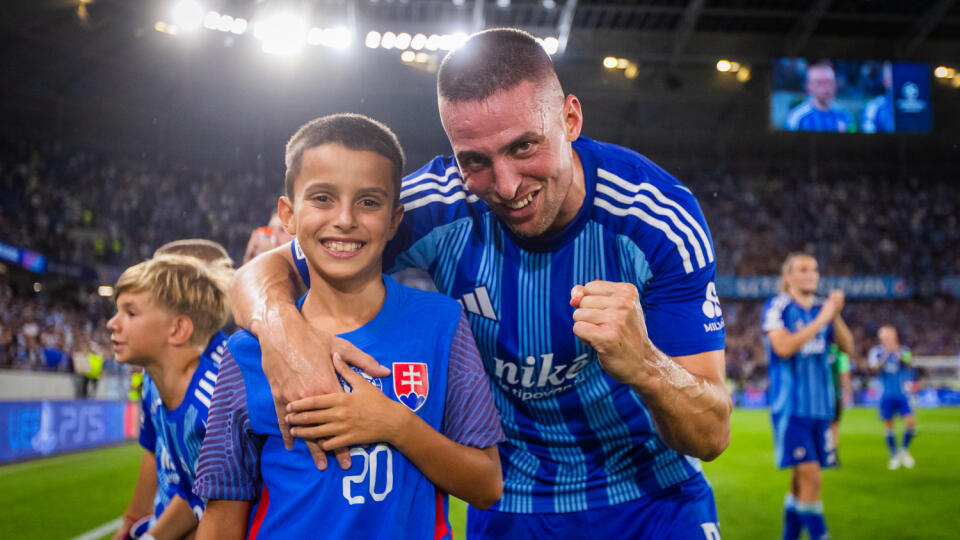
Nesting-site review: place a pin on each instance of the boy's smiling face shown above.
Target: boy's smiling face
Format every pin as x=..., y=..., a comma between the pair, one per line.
x=343, y=212
x=139, y=329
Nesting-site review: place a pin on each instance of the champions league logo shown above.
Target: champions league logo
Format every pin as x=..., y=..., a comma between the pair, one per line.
x=911, y=102
x=410, y=383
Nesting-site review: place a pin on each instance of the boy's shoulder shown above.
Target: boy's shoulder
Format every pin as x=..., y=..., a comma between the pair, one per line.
x=426, y=303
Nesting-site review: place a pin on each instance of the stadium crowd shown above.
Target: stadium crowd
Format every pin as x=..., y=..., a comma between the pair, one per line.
x=81, y=207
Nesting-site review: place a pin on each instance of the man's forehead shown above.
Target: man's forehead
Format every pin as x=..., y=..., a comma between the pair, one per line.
x=499, y=118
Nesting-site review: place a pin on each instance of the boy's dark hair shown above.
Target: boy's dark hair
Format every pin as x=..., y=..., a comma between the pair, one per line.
x=354, y=131
x=492, y=60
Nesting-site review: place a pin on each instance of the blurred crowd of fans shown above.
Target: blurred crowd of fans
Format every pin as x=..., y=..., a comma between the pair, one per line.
x=82, y=208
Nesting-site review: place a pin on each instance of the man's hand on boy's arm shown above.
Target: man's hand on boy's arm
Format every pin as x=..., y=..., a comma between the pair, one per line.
x=141, y=504
x=223, y=519
x=176, y=521
x=262, y=296
x=366, y=415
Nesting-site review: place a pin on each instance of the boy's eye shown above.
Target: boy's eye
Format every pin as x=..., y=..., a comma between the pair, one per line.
x=369, y=203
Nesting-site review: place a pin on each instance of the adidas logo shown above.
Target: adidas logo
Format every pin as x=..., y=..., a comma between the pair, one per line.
x=478, y=303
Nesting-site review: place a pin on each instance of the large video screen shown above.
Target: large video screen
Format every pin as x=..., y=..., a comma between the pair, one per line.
x=850, y=96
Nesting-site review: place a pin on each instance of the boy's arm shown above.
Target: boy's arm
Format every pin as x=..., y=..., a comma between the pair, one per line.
x=224, y=520
x=366, y=415
x=141, y=504
x=176, y=521
x=295, y=355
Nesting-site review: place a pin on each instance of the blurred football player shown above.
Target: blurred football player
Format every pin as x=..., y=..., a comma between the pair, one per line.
x=819, y=112
x=891, y=362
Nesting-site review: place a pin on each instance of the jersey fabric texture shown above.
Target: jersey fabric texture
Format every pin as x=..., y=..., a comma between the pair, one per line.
x=685, y=511
x=895, y=372
x=575, y=438
x=175, y=436
x=383, y=495
x=806, y=117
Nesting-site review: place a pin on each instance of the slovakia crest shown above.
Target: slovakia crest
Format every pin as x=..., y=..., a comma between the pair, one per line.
x=411, y=383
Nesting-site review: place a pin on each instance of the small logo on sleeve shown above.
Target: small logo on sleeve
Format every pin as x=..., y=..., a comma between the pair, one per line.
x=711, y=309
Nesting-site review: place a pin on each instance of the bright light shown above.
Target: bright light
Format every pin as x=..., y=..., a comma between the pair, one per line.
x=418, y=42
x=161, y=26
x=551, y=45
x=433, y=42
x=459, y=2
x=283, y=34
x=337, y=38
x=403, y=40
x=37, y=287
x=446, y=42
x=743, y=74
x=211, y=19
x=622, y=63
x=610, y=62
x=105, y=290
x=549, y=4
x=315, y=36
x=239, y=26
x=422, y=58
x=373, y=39
x=940, y=72
x=503, y=3
x=955, y=81
x=389, y=40
x=723, y=66
x=188, y=14
x=631, y=71
x=408, y=56
x=226, y=23
x=459, y=38
x=734, y=66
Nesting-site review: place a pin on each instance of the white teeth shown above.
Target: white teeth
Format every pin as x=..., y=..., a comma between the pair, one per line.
x=521, y=203
x=343, y=246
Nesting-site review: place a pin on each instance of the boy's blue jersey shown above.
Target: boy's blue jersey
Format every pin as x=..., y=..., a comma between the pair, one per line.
x=806, y=117
x=575, y=438
x=801, y=385
x=175, y=436
x=894, y=367
x=383, y=494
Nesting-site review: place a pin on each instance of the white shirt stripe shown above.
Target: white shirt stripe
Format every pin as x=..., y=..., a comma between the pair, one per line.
x=662, y=199
x=203, y=399
x=439, y=186
x=653, y=222
x=430, y=176
x=439, y=197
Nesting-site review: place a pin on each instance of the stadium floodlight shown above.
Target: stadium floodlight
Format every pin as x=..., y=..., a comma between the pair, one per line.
x=940, y=72
x=551, y=45
x=459, y=2
x=418, y=42
x=446, y=42
x=373, y=39
x=239, y=26
x=610, y=62
x=389, y=40
x=734, y=66
x=622, y=63
x=403, y=40
x=225, y=24
x=631, y=71
x=105, y=291
x=282, y=34
x=459, y=38
x=955, y=81
x=211, y=20
x=315, y=36
x=188, y=15
x=422, y=57
x=743, y=74
x=548, y=4
x=408, y=56
x=503, y=3
x=338, y=37
x=723, y=66
x=433, y=42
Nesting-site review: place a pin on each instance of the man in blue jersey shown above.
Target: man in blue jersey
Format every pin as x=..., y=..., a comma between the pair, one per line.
x=588, y=275
x=167, y=310
x=891, y=362
x=798, y=330
x=878, y=115
x=819, y=112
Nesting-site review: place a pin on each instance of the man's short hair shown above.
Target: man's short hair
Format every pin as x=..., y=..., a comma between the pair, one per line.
x=492, y=60
x=183, y=286
x=354, y=131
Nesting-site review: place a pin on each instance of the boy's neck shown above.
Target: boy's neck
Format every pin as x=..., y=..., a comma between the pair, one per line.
x=339, y=307
x=172, y=373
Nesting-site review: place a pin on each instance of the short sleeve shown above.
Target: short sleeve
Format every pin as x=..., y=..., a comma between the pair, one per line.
x=873, y=357
x=469, y=417
x=229, y=463
x=148, y=432
x=773, y=314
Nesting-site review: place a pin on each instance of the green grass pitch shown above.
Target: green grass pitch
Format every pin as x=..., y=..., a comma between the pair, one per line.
x=66, y=496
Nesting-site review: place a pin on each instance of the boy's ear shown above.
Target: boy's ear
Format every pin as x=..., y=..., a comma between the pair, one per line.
x=395, y=221
x=286, y=215
x=181, y=330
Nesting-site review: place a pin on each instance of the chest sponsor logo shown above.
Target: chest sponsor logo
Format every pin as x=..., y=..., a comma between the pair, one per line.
x=411, y=383
x=533, y=379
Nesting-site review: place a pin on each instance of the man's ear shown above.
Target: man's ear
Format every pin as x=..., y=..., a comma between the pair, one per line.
x=286, y=215
x=181, y=330
x=572, y=117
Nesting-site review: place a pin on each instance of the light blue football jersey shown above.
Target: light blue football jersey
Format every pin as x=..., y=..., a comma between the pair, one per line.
x=575, y=438
x=801, y=385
